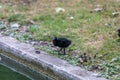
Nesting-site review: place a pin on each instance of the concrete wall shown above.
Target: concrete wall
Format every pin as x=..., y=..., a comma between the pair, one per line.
x=22, y=58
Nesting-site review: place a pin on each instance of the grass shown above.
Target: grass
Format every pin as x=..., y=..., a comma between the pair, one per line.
x=88, y=30
x=15, y=17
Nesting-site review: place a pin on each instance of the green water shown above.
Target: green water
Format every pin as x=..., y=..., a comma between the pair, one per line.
x=8, y=74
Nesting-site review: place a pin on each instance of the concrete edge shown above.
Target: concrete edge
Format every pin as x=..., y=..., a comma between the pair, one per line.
x=61, y=69
x=22, y=68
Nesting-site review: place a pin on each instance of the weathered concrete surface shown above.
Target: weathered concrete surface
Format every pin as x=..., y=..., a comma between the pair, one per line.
x=51, y=66
x=22, y=68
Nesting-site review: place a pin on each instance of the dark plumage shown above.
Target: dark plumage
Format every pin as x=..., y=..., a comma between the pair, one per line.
x=118, y=32
x=61, y=42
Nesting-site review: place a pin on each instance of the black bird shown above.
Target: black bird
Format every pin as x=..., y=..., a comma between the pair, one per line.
x=61, y=42
x=118, y=32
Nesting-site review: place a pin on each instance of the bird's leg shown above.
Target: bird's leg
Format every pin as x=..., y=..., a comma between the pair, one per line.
x=64, y=51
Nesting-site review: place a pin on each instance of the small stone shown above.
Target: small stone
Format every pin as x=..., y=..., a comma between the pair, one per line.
x=108, y=25
x=115, y=14
x=37, y=52
x=0, y=6
x=71, y=17
x=115, y=59
x=98, y=9
x=27, y=42
x=95, y=74
x=81, y=60
x=14, y=25
x=59, y=10
x=33, y=43
x=31, y=22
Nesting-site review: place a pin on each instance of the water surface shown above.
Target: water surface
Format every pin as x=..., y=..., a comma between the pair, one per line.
x=8, y=74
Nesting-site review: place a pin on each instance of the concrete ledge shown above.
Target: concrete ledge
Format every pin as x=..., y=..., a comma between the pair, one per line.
x=40, y=64
x=22, y=68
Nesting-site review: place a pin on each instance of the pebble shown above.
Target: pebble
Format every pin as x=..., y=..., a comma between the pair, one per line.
x=71, y=17
x=108, y=25
x=95, y=74
x=0, y=6
x=115, y=14
x=33, y=43
x=31, y=22
x=98, y=9
x=81, y=60
x=14, y=25
x=59, y=9
x=37, y=52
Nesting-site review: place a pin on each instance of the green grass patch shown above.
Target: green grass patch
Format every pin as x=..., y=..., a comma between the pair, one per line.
x=16, y=17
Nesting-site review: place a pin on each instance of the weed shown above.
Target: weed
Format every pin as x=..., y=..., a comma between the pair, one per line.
x=16, y=17
x=24, y=37
x=33, y=28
